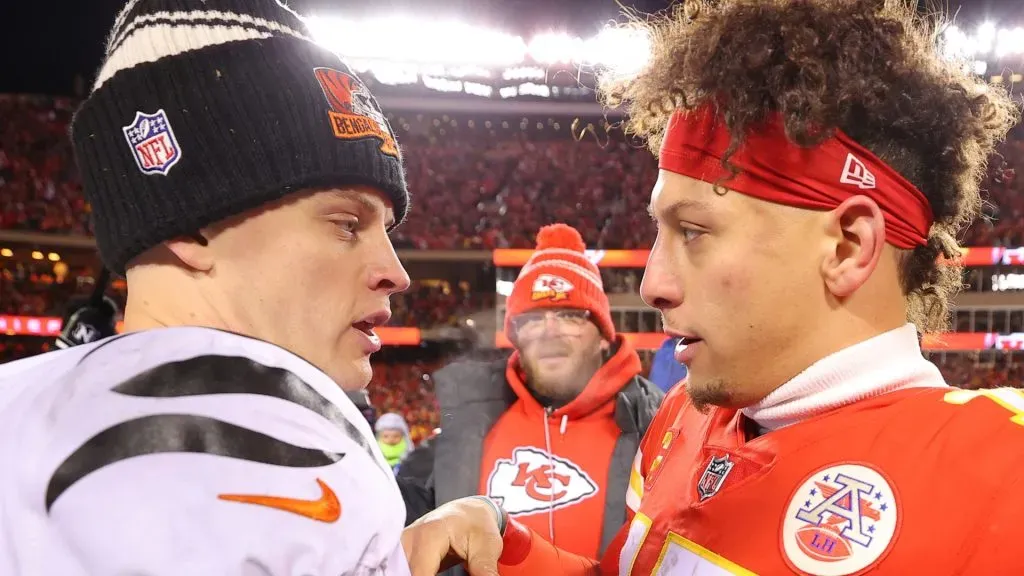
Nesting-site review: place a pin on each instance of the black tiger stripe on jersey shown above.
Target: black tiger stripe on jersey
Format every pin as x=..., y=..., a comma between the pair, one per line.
x=214, y=374
x=184, y=433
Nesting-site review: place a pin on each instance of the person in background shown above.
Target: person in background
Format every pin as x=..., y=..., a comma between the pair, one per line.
x=550, y=433
x=666, y=371
x=393, y=438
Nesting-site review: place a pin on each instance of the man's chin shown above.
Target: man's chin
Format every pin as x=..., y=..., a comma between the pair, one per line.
x=707, y=392
x=353, y=375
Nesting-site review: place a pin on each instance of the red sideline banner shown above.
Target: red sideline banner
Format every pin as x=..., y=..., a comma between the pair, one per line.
x=51, y=326
x=975, y=257
x=403, y=336
x=949, y=342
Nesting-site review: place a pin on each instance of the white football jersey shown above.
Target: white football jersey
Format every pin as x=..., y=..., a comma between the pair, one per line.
x=189, y=451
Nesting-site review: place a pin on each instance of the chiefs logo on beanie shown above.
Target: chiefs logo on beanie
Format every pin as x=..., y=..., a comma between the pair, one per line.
x=560, y=276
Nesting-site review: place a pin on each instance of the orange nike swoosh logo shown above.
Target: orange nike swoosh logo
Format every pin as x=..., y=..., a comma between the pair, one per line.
x=326, y=508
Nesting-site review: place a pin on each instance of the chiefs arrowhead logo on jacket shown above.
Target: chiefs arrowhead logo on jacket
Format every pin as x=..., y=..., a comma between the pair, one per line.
x=535, y=481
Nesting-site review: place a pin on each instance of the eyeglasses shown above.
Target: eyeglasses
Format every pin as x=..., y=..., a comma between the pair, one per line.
x=530, y=325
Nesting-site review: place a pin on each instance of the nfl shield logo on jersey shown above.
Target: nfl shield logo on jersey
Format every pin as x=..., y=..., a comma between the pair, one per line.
x=714, y=476
x=841, y=520
x=152, y=142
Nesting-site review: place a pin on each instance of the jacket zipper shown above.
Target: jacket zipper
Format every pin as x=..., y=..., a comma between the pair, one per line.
x=551, y=475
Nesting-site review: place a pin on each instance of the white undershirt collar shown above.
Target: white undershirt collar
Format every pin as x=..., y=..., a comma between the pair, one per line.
x=885, y=363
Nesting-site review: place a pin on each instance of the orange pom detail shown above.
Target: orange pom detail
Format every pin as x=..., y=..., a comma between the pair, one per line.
x=560, y=236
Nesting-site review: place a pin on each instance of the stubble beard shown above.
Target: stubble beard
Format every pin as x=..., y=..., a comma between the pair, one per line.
x=705, y=394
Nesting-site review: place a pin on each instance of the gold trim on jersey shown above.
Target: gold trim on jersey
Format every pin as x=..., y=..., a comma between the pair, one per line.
x=1010, y=398
x=671, y=539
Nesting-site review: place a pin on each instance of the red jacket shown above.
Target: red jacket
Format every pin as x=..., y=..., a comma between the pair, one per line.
x=549, y=469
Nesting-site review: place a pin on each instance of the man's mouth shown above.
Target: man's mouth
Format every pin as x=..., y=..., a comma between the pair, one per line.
x=685, y=338
x=550, y=354
x=366, y=326
x=685, y=341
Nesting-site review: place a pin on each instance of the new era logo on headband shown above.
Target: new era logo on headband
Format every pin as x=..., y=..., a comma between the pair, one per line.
x=856, y=173
x=152, y=142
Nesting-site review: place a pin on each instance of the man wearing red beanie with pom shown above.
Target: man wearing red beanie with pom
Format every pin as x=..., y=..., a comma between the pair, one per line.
x=552, y=433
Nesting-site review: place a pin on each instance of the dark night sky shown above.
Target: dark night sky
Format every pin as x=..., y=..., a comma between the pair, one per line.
x=46, y=43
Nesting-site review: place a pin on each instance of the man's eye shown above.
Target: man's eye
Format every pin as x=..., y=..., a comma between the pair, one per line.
x=691, y=234
x=348, y=226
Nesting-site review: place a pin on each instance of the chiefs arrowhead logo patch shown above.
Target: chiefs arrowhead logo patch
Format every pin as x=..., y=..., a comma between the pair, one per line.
x=551, y=287
x=535, y=481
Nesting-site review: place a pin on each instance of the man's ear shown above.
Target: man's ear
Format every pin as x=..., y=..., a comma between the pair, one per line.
x=857, y=229
x=193, y=251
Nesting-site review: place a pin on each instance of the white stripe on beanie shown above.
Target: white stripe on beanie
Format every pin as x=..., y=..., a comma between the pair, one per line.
x=118, y=23
x=537, y=254
x=174, y=33
x=584, y=270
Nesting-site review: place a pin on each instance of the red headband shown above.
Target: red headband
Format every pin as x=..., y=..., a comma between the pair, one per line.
x=774, y=169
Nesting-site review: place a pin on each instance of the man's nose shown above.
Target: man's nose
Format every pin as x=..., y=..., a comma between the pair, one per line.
x=660, y=287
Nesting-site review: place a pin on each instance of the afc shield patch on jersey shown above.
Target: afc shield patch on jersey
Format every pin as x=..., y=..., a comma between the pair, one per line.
x=714, y=476
x=535, y=481
x=152, y=142
x=840, y=520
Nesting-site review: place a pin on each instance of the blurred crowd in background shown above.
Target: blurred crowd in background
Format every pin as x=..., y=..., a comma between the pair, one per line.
x=477, y=185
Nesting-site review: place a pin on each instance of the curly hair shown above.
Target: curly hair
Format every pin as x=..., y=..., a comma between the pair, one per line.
x=870, y=68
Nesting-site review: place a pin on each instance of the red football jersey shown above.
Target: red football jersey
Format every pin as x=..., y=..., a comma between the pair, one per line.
x=918, y=481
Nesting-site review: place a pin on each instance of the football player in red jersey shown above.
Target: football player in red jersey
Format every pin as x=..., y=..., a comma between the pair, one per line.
x=817, y=158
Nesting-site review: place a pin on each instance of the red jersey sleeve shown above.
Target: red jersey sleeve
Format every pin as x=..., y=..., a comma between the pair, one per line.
x=525, y=553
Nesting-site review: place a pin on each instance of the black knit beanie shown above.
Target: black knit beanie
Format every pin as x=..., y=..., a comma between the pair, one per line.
x=204, y=109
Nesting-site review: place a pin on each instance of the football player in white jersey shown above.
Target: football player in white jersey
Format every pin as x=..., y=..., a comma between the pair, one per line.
x=244, y=181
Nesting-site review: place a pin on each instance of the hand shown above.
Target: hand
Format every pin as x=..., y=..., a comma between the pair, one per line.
x=464, y=530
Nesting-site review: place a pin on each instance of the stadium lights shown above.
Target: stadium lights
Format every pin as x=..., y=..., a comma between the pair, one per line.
x=464, y=71
x=986, y=41
x=441, y=53
x=551, y=48
x=478, y=89
x=531, y=89
x=624, y=51
x=467, y=50
x=412, y=40
x=524, y=73
x=442, y=84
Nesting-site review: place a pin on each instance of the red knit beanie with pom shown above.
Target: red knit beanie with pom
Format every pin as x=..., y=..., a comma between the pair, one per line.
x=559, y=276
